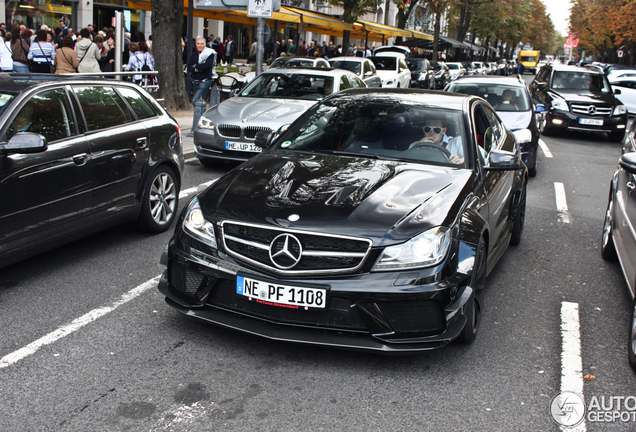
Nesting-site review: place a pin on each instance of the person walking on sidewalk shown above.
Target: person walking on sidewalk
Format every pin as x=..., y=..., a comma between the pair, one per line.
x=201, y=67
x=230, y=49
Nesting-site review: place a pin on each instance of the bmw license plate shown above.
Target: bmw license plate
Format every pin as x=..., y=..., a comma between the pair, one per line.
x=281, y=295
x=592, y=122
x=244, y=147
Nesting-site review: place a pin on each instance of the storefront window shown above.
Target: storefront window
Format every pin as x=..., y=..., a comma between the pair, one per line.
x=34, y=13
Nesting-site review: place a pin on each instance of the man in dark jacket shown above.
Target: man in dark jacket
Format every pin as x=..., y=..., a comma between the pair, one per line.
x=200, y=67
x=230, y=49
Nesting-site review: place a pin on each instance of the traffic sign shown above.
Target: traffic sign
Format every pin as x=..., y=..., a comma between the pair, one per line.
x=620, y=53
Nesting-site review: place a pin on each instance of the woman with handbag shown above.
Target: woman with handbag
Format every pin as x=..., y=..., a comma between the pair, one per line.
x=42, y=54
x=87, y=53
x=66, y=58
x=19, y=51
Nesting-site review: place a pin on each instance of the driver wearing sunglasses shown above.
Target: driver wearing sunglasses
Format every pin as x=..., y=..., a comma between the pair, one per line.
x=435, y=133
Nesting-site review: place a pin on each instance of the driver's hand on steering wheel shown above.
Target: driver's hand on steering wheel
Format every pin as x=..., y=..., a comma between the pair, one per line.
x=455, y=159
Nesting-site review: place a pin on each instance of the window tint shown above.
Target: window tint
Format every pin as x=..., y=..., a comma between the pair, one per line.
x=103, y=108
x=47, y=113
x=137, y=102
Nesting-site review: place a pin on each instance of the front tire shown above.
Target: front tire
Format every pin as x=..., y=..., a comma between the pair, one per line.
x=520, y=220
x=160, y=201
x=608, y=250
x=617, y=136
x=544, y=128
x=631, y=340
x=473, y=309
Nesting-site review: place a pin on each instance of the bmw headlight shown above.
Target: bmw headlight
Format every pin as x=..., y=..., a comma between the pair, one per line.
x=559, y=104
x=620, y=110
x=197, y=226
x=205, y=123
x=523, y=135
x=424, y=250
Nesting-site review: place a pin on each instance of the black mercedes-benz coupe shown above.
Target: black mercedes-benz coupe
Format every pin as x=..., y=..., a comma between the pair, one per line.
x=371, y=223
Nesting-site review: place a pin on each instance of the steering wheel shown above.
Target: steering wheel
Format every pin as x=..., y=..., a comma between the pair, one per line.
x=435, y=146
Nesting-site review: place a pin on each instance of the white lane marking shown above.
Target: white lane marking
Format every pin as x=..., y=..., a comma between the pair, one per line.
x=186, y=192
x=561, y=202
x=545, y=149
x=76, y=324
x=571, y=362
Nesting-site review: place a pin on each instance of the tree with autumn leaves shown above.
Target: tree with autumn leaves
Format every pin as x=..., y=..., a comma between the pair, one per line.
x=604, y=26
x=496, y=21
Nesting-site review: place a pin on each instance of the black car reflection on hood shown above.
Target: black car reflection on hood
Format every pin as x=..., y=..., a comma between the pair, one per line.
x=371, y=223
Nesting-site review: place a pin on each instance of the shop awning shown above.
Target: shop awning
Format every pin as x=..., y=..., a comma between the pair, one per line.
x=454, y=42
x=314, y=22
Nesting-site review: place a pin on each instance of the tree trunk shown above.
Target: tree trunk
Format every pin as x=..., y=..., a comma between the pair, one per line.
x=167, y=21
x=466, y=8
x=346, y=37
x=438, y=17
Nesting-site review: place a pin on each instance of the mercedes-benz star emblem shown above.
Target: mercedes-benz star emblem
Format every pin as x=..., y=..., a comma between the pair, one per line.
x=591, y=110
x=285, y=251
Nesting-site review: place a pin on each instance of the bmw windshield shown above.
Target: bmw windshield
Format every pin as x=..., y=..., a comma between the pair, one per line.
x=289, y=86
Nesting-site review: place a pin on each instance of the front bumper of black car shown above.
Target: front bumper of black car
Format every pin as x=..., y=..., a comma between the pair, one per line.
x=566, y=120
x=384, y=312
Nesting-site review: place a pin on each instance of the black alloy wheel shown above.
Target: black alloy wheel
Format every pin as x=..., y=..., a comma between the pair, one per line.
x=160, y=201
x=532, y=172
x=543, y=126
x=473, y=309
x=608, y=250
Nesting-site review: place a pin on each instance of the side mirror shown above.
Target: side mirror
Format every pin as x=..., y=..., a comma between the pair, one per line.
x=368, y=73
x=25, y=142
x=540, y=108
x=628, y=162
x=617, y=91
x=501, y=160
x=263, y=139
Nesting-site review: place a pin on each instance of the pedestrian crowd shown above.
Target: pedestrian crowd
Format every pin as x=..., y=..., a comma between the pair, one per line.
x=62, y=51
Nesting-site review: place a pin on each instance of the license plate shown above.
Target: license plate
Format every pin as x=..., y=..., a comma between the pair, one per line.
x=245, y=147
x=592, y=122
x=281, y=295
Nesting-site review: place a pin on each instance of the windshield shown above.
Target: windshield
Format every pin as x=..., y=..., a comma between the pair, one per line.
x=385, y=63
x=299, y=63
x=436, y=66
x=279, y=62
x=528, y=59
x=468, y=66
x=351, y=66
x=452, y=66
x=292, y=86
x=501, y=97
x=379, y=129
x=5, y=100
x=416, y=65
x=570, y=80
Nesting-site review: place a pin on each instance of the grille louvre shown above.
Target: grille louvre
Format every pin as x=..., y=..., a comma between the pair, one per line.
x=581, y=108
x=250, y=131
x=229, y=131
x=320, y=253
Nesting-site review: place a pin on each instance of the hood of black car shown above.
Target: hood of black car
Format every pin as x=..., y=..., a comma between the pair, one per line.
x=386, y=201
x=587, y=97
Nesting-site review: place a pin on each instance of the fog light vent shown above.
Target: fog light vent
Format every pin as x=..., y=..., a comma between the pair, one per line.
x=192, y=281
x=424, y=317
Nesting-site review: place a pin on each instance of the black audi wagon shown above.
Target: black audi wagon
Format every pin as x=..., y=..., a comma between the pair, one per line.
x=81, y=155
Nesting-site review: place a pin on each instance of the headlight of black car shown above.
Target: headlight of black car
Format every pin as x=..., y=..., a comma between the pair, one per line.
x=559, y=104
x=197, y=226
x=424, y=250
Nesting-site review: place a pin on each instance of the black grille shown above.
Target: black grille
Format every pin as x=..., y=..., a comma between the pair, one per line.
x=229, y=131
x=424, y=317
x=339, y=313
x=186, y=280
x=319, y=252
x=250, y=131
